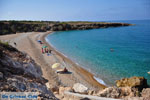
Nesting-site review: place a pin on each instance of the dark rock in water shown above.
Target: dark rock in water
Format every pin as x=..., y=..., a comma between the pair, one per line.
x=19, y=73
x=134, y=82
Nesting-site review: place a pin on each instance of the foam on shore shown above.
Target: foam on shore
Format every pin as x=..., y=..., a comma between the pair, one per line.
x=100, y=80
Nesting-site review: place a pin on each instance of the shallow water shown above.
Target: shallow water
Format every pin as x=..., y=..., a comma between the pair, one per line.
x=110, y=53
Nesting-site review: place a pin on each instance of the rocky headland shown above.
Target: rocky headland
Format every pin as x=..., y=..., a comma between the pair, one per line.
x=12, y=27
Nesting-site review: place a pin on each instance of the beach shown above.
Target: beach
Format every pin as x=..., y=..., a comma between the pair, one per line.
x=27, y=42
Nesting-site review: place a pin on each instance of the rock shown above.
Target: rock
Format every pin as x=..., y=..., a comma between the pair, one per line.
x=21, y=76
x=130, y=92
x=47, y=85
x=68, y=89
x=1, y=75
x=137, y=82
x=110, y=92
x=54, y=89
x=95, y=93
x=119, y=92
x=134, y=98
x=80, y=88
x=55, y=93
x=126, y=91
x=146, y=94
x=62, y=89
x=60, y=97
x=90, y=92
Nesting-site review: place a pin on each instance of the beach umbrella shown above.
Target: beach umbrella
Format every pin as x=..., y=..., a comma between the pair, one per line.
x=55, y=65
x=44, y=46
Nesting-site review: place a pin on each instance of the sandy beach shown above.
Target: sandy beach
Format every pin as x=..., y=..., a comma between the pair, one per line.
x=27, y=42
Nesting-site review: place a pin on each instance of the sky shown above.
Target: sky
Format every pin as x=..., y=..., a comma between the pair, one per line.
x=74, y=10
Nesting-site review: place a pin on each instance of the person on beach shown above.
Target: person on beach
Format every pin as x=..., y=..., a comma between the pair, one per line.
x=46, y=50
x=42, y=51
x=50, y=51
x=15, y=43
x=65, y=70
x=41, y=42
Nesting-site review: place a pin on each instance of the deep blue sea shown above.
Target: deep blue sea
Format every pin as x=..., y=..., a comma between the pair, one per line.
x=109, y=53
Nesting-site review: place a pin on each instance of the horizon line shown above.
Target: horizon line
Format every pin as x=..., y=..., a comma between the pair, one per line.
x=76, y=20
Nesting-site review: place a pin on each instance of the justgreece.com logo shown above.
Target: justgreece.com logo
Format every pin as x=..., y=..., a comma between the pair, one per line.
x=18, y=95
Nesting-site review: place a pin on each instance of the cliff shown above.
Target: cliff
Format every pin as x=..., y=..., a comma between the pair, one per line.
x=12, y=27
x=19, y=73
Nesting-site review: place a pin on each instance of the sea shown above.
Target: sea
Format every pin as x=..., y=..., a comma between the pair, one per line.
x=109, y=53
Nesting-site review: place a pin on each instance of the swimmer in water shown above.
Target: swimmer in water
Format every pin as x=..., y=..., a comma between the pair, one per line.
x=111, y=49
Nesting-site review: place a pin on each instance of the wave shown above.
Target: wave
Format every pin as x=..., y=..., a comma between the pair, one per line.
x=100, y=81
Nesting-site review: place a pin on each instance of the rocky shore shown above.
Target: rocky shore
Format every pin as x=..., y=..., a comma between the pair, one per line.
x=19, y=73
x=12, y=27
x=128, y=92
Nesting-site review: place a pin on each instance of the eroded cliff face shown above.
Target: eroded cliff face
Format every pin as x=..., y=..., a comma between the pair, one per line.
x=19, y=73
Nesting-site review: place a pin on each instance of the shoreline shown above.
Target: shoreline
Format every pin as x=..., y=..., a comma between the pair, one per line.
x=99, y=80
x=78, y=69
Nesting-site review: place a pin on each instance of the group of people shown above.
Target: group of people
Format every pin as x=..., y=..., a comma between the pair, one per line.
x=45, y=49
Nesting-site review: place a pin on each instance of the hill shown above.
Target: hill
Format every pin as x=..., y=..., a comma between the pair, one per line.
x=12, y=27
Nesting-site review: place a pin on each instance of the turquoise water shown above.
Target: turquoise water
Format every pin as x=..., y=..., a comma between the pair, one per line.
x=91, y=50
